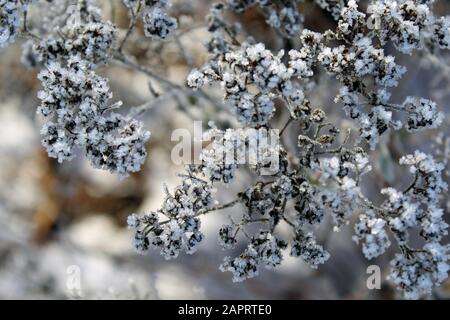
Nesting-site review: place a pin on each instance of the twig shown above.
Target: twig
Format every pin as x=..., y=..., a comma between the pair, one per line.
x=133, y=21
x=286, y=125
x=122, y=58
x=218, y=207
x=412, y=184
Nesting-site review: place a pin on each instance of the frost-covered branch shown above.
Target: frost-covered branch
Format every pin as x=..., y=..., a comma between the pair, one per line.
x=297, y=184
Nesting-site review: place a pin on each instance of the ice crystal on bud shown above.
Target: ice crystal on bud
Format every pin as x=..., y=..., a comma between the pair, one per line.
x=196, y=79
x=402, y=22
x=423, y=113
x=180, y=231
x=306, y=247
x=429, y=183
x=227, y=236
x=284, y=18
x=263, y=250
x=371, y=232
x=84, y=35
x=158, y=24
x=440, y=33
x=10, y=12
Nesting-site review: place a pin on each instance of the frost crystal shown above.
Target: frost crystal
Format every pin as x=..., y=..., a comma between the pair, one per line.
x=10, y=11
x=181, y=229
x=371, y=232
x=263, y=250
x=305, y=246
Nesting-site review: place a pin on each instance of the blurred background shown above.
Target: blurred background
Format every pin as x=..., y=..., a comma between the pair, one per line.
x=57, y=216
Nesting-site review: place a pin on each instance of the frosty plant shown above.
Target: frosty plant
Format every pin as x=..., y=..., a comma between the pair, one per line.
x=318, y=175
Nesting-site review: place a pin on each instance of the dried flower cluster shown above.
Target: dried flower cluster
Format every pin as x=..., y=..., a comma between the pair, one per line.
x=283, y=17
x=181, y=230
x=317, y=177
x=324, y=179
x=157, y=23
x=75, y=100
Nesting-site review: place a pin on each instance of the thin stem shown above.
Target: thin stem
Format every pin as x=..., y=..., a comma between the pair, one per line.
x=413, y=183
x=289, y=222
x=113, y=11
x=184, y=53
x=25, y=14
x=320, y=127
x=152, y=90
x=137, y=111
x=366, y=202
x=286, y=125
x=125, y=60
x=133, y=21
x=338, y=149
x=234, y=41
x=217, y=207
x=199, y=213
x=25, y=30
x=120, y=57
x=438, y=63
x=190, y=28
